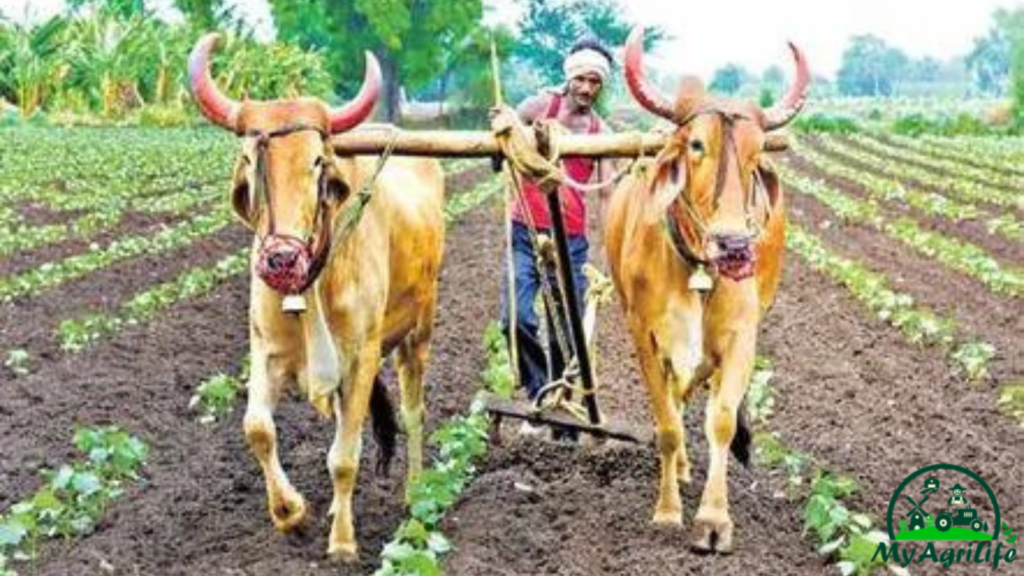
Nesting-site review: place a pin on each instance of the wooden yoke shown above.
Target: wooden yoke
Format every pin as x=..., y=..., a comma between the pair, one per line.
x=374, y=138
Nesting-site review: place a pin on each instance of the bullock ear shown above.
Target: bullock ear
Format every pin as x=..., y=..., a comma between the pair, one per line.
x=770, y=179
x=241, y=195
x=669, y=179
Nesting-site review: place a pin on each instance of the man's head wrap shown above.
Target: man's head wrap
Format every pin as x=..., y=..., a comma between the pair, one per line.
x=584, y=61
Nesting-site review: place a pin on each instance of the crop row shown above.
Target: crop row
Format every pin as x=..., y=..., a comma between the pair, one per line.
x=998, y=157
x=53, y=274
x=955, y=254
x=964, y=189
x=959, y=168
x=843, y=536
x=965, y=352
x=892, y=190
x=77, y=334
x=74, y=496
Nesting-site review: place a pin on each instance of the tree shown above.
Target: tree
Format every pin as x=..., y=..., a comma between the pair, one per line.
x=202, y=14
x=548, y=29
x=870, y=67
x=729, y=78
x=409, y=37
x=120, y=9
x=990, y=60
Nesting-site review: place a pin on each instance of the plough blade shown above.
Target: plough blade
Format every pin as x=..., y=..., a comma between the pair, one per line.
x=500, y=408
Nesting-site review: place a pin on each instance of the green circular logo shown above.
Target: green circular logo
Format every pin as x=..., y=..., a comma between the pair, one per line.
x=933, y=467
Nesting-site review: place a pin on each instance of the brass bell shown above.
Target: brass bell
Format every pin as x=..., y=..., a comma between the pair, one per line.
x=293, y=304
x=700, y=281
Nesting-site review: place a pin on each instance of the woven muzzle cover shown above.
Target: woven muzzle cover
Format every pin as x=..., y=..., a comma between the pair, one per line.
x=284, y=263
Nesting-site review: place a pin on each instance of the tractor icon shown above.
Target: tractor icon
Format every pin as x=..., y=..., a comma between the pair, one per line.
x=964, y=517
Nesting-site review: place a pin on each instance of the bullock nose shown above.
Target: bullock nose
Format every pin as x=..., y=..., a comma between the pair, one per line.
x=733, y=255
x=282, y=259
x=732, y=244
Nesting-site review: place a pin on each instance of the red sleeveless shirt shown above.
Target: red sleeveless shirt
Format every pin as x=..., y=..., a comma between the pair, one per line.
x=574, y=207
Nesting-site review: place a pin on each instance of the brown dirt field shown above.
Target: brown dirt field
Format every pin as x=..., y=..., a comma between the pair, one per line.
x=848, y=391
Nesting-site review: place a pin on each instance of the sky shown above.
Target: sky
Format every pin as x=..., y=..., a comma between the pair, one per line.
x=707, y=35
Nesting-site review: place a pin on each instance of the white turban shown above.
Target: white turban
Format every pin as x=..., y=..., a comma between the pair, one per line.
x=585, y=61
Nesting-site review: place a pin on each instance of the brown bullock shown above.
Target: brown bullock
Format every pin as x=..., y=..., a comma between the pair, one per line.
x=695, y=249
x=359, y=255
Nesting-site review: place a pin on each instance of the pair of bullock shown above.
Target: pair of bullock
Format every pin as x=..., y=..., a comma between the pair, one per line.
x=359, y=251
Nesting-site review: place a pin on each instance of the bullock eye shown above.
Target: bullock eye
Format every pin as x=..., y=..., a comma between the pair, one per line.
x=318, y=162
x=696, y=147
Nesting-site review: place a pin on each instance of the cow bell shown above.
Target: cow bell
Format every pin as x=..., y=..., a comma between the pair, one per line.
x=293, y=304
x=700, y=281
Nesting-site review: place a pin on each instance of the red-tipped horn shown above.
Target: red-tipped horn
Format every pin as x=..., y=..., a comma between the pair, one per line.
x=362, y=105
x=785, y=111
x=647, y=95
x=217, y=107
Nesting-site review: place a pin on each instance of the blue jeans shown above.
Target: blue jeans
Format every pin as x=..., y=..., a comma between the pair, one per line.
x=534, y=368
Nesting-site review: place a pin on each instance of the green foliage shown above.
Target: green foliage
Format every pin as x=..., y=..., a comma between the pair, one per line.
x=962, y=124
x=118, y=60
x=411, y=39
x=497, y=376
x=215, y=397
x=18, y=361
x=74, y=496
x=870, y=67
x=459, y=204
x=1011, y=399
x=819, y=123
x=729, y=78
x=549, y=29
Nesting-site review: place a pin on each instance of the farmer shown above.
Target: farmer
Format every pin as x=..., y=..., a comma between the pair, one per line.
x=587, y=69
x=958, y=496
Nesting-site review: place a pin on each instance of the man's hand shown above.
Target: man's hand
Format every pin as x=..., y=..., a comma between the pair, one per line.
x=503, y=118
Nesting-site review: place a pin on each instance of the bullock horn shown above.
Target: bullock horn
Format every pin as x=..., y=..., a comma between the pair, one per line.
x=784, y=111
x=217, y=107
x=647, y=95
x=362, y=105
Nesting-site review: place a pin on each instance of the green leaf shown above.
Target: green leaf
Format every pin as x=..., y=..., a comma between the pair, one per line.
x=11, y=533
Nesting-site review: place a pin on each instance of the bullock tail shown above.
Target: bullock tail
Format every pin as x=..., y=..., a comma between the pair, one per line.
x=385, y=427
x=741, y=440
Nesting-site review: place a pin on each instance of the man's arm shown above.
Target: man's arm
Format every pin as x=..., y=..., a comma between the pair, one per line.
x=534, y=107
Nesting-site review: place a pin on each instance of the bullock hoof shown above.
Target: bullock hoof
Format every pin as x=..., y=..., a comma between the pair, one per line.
x=712, y=536
x=345, y=553
x=669, y=518
x=289, y=513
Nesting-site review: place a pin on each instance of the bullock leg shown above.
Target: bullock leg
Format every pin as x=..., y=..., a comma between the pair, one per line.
x=410, y=362
x=343, y=459
x=669, y=509
x=266, y=383
x=728, y=385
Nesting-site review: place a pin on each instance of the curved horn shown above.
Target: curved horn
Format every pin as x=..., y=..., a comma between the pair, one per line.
x=785, y=111
x=647, y=95
x=217, y=107
x=362, y=105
